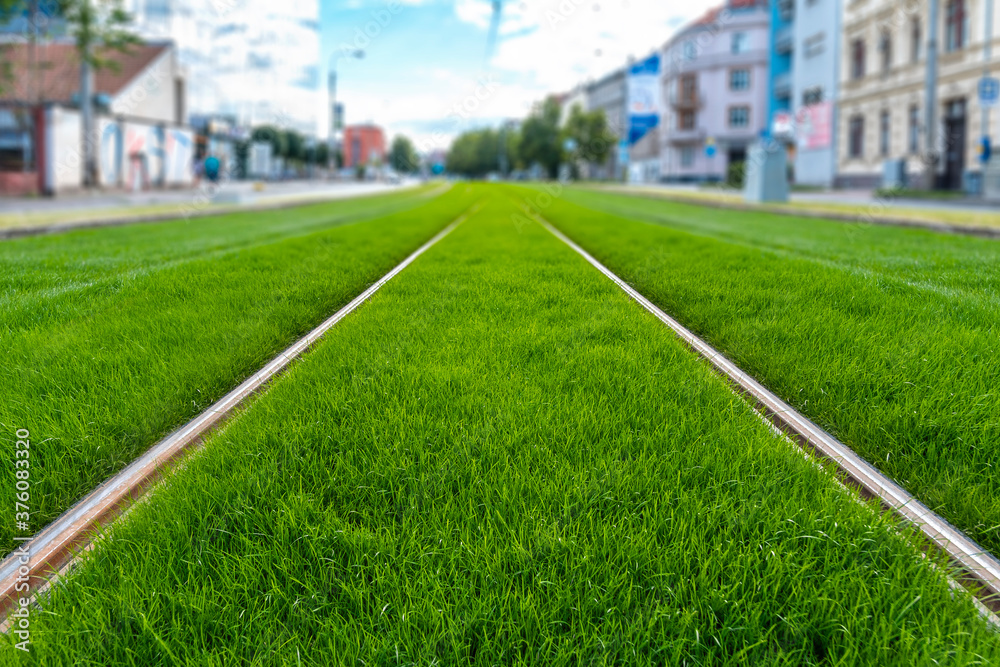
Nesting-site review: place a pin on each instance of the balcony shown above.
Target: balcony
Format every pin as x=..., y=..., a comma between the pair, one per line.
x=783, y=85
x=696, y=135
x=783, y=41
x=684, y=102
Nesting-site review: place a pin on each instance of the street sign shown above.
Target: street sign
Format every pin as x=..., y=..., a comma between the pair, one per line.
x=989, y=91
x=710, y=147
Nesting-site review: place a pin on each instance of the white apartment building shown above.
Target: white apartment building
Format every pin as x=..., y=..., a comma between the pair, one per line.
x=715, y=91
x=883, y=69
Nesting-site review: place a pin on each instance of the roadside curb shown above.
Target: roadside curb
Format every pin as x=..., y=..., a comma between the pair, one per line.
x=180, y=214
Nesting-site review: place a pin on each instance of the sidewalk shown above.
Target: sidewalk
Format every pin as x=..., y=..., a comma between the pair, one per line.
x=26, y=213
x=861, y=206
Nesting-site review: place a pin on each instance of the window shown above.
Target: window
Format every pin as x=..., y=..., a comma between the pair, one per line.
x=885, y=49
x=955, y=26
x=786, y=9
x=689, y=50
x=812, y=96
x=739, y=79
x=739, y=43
x=856, y=137
x=883, y=134
x=916, y=38
x=687, y=156
x=16, y=141
x=815, y=45
x=914, y=129
x=689, y=89
x=739, y=116
x=686, y=120
x=858, y=59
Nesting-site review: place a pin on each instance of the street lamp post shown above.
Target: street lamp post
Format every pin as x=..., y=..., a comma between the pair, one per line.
x=357, y=54
x=930, y=95
x=987, y=55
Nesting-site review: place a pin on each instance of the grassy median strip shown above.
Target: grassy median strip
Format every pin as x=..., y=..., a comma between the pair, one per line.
x=114, y=337
x=502, y=460
x=903, y=206
x=886, y=337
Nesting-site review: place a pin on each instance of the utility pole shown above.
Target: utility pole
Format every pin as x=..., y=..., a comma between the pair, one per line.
x=87, y=119
x=331, y=89
x=987, y=54
x=502, y=150
x=930, y=96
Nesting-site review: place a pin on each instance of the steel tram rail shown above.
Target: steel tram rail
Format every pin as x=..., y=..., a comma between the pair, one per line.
x=978, y=567
x=54, y=549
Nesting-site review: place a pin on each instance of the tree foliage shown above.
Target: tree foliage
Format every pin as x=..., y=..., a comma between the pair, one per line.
x=474, y=153
x=403, y=156
x=588, y=130
x=541, y=139
x=322, y=155
x=99, y=28
x=295, y=146
x=274, y=136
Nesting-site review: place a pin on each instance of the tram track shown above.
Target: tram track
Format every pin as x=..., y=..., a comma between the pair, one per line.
x=978, y=569
x=55, y=548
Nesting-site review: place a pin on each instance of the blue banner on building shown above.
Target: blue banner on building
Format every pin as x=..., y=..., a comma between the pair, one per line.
x=644, y=96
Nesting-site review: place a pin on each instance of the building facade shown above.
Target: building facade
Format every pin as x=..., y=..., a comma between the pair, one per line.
x=815, y=45
x=255, y=60
x=715, y=86
x=608, y=95
x=803, y=86
x=780, y=60
x=882, y=116
x=142, y=141
x=364, y=145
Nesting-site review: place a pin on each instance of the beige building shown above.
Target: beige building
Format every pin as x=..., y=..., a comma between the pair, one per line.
x=882, y=91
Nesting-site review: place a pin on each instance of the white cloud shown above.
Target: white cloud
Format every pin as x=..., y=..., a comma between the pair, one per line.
x=555, y=44
x=544, y=47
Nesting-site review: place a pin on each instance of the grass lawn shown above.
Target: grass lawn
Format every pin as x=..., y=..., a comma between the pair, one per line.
x=114, y=337
x=966, y=217
x=501, y=459
x=887, y=337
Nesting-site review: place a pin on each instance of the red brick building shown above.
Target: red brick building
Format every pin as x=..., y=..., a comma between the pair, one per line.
x=363, y=145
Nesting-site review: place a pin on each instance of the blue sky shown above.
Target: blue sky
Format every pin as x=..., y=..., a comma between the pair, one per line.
x=425, y=73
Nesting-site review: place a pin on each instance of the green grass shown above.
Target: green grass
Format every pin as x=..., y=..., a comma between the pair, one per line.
x=114, y=337
x=913, y=193
x=502, y=460
x=887, y=337
x=962, y=216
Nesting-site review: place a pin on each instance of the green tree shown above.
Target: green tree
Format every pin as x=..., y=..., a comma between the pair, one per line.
x=274, y=136
x=6, y=11
x=322, y=153
x=295, y=146
x=474, y=153
x=403, y=156
x=540, y=137
x=100, y=29
x=589, y=132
